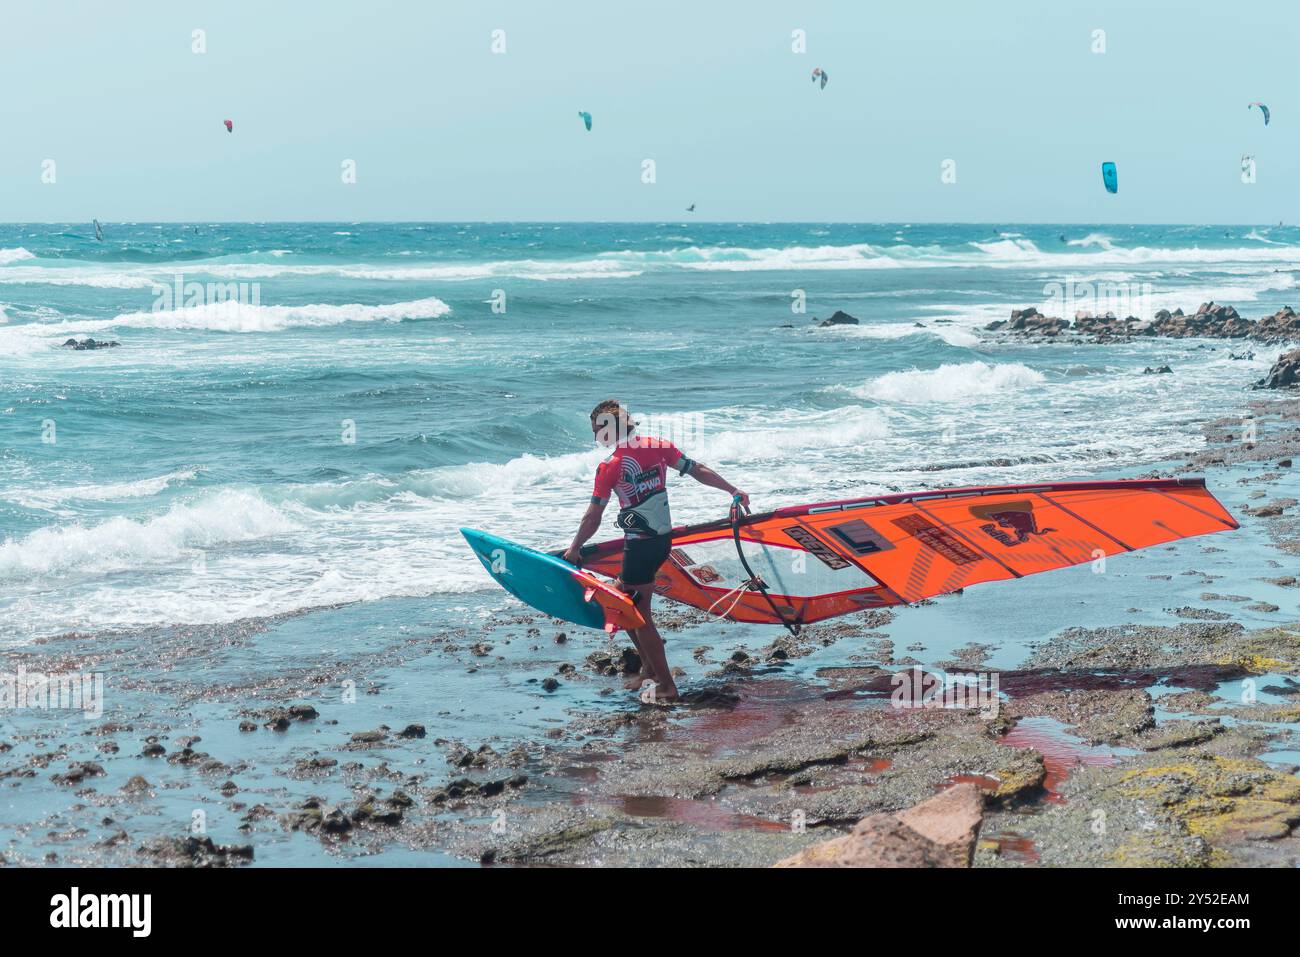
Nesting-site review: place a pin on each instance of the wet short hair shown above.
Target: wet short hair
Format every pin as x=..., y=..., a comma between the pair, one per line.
x=611, y=414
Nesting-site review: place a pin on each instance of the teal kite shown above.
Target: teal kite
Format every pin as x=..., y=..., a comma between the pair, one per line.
x=1110, y=177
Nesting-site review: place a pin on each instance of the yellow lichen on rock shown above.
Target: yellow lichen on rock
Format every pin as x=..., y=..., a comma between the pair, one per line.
x=1220, y=798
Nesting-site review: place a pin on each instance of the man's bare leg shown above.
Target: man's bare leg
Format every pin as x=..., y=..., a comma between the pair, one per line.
x=643, y=675
x=654, y=663
x=634, y=682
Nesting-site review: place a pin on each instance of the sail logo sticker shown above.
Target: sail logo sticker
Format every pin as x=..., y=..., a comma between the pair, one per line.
x=812, y=543
x=937, y=539
x=705, y=574
x=861, y=537
x=1012, y=523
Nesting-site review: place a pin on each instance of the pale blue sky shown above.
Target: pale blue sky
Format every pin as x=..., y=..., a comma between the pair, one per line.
x=441, y=129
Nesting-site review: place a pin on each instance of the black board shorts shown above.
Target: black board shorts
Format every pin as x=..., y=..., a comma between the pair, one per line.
x=642, y=558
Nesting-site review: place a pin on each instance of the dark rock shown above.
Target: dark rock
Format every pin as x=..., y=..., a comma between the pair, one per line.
x=195, y=852
x=1285, y=372
x=371, y=813
x=839, y=318
x=78, y=772
x=412, y=731
x=335, y=822
x=308, y=765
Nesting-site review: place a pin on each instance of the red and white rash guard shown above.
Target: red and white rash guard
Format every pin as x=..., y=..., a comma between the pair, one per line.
x=637, y=472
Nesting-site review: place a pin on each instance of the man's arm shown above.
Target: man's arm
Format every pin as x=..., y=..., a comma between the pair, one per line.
x=588, y=527
x=706, y=476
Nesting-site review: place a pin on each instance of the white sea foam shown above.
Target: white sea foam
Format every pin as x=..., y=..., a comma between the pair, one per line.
x=14, y=255
x=234, y=316
x=1096, y=251
x=92, y=277
x=1093, y=240
x=122, y=543
x=949, y=383
x=229, y=316
x=53, y=497
x=780, y=438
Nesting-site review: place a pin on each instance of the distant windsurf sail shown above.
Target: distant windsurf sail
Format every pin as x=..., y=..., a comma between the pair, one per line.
x=835, y=558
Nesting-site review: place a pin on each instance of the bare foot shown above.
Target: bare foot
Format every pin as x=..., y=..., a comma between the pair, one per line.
x=654, y=692
x=635, y=682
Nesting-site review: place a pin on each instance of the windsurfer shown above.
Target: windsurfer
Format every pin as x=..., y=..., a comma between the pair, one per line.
x=637, y=472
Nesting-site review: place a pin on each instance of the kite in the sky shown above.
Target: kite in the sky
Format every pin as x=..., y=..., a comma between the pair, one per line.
x=586, y=119
x=819, y=72
x=1110, y=177
x=690, y=208
x=1262, y=108
x=230, y=126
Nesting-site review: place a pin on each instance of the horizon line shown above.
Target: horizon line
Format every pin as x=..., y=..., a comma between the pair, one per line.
x=611, y=222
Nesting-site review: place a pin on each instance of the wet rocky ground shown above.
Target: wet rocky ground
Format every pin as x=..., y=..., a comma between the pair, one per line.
x=1146, y=716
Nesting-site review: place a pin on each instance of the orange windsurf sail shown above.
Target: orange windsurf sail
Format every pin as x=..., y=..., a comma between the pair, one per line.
x=834, y=558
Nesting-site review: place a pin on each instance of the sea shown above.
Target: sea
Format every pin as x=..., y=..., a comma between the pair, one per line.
x=302, y=415
x=254, y=498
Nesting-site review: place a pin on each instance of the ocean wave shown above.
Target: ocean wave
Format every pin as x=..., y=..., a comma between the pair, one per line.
x=121, y=543
x=234, y=316
x=1093, y=240
x=448, y=482
x=74, y=276
x=50, y=498
x=1093, y=252
x=14, y=255
x=948, y=383
x=726, y=436
x=229, y=316
x=787, y=436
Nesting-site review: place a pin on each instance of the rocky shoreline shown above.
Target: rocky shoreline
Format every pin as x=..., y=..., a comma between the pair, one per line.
x=1210, y=321
x=1114, y=745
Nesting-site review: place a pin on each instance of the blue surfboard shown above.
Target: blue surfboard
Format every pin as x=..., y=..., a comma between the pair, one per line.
x=552, y=585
